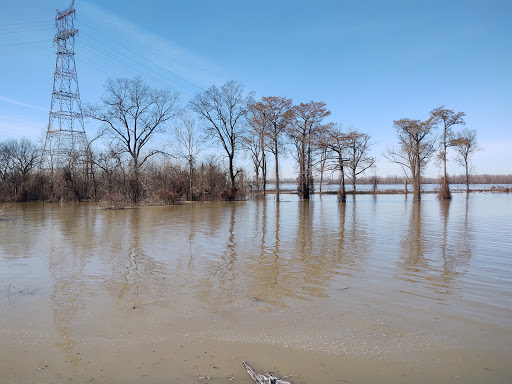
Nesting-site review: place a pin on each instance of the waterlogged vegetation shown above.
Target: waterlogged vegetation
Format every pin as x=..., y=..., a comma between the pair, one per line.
x=126, y=162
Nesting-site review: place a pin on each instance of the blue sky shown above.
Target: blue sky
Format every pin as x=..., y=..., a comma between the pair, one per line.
x=372, y=62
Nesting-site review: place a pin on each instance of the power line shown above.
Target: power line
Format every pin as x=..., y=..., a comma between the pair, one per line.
x=102, y=59
x=27, y=22
x=24, y=43
x=97, y=66
x=141, y=56
x=112, y=61
x=106, y=64
x=26, y=30
x=107, y=56
x=32, y=48
x=120, y=58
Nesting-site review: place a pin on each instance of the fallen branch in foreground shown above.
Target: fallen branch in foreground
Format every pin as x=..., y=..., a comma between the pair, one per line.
x=263, y=379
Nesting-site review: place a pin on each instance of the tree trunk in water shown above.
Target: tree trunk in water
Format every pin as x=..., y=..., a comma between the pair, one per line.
x=305, y=189
x=308, y=177
x=416, y=185
x=416, y=191
x=321, y=177
x=190, y=170
x=264, y=172
x=342, y=195
x=134, y=180
x=303, y=179
x=257, y=180
x=231, y=172
x=467, y=176
x=444, y=193
x=277, y=174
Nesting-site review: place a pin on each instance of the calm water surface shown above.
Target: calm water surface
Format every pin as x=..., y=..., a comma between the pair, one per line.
x=377, y=290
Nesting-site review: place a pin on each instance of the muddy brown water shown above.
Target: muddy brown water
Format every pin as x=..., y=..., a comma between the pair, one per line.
x=377, y=290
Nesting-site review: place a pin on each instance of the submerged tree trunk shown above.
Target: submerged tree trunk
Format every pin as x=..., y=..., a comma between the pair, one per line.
x=190, y=176
x=321, y=176
x=467, y=175
x=444, y=192
x=342, y=193
x=304, y=179
x=134, y=181
x=257, y=174
x=323, y=160
x=276, y=156
x=231, y=172
x=374, y=182
x=416, y=186
x=264, y=172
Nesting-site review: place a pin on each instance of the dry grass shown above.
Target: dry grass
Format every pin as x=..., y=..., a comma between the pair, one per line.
x=500, y=189
x=113, y=201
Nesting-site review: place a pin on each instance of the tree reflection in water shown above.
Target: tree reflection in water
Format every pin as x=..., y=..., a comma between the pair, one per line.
x=136, y=277
x=67, y=259
x=434, y=268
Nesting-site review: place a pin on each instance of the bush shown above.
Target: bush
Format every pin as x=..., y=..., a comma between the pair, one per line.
x=163, y=197
x=113, y=201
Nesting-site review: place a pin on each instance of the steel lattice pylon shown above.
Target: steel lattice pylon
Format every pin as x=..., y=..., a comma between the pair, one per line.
x=65, y=136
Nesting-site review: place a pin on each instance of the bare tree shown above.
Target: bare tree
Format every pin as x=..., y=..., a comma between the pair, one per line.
x=416, y=146
x=90, y=163
x=109, y=161
x=374, y=181
x=253, y=145
x=306, y=121
x=277, y=113
x=24, y=155
x=133, y=113
x=337, y=142
x=324, y=154
x=224, y=110
x=448, y=118
x=358, y=157
x=18, y=157
x=254, y=142
x=187, y=145
x=5, y=161
x=466, y=145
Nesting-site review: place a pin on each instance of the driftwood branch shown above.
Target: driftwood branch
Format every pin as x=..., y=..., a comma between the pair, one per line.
x=266, y=378
x=8, y=289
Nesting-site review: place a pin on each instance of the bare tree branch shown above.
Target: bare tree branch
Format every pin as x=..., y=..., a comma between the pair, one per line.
x=224, y=111
x=133, y=113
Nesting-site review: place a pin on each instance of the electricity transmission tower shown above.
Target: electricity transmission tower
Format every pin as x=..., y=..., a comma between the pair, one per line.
x=65, y=137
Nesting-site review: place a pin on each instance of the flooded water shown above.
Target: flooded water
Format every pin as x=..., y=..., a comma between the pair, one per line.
x=378, y=290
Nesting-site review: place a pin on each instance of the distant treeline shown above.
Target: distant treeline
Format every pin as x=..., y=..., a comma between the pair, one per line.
x=128, y=161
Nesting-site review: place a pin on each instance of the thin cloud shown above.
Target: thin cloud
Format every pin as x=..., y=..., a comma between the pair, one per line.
x=12, y=127
x=16, y=102
x=159, y=50
x=11, y=118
